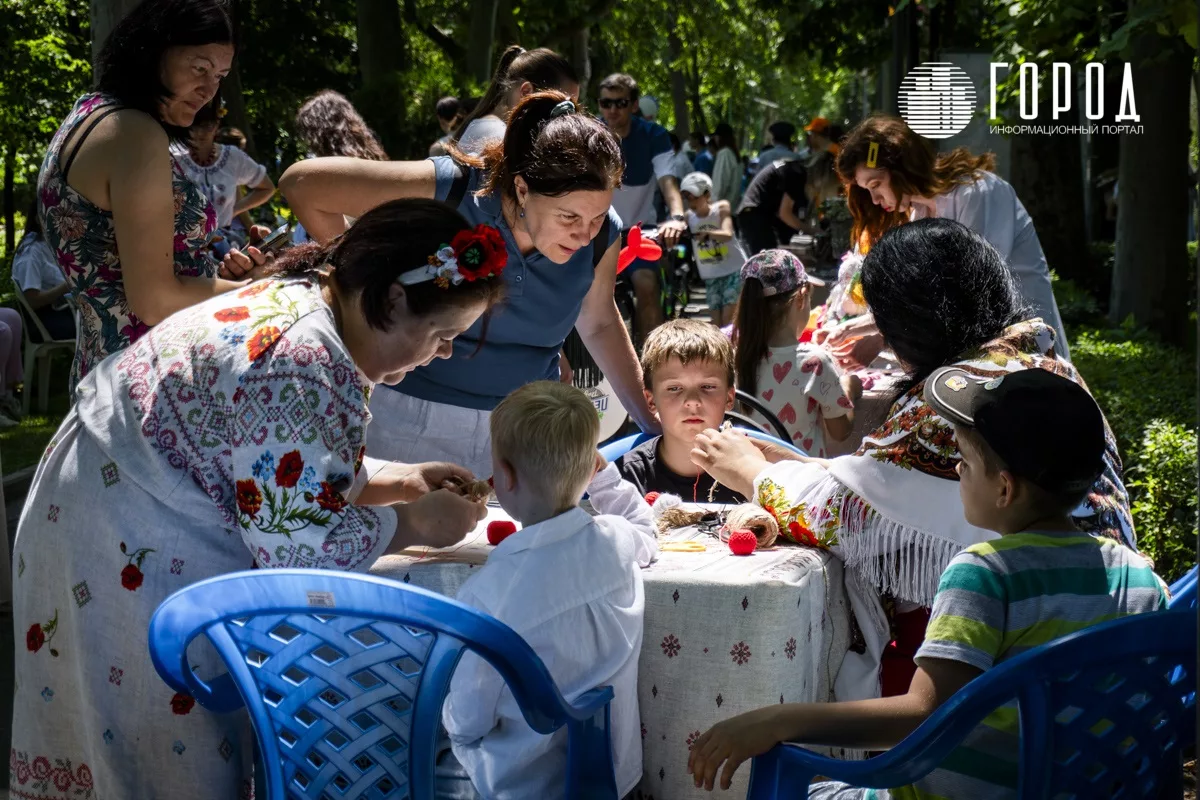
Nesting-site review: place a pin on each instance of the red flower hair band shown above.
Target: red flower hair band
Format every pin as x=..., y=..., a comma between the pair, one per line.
x=471, y=255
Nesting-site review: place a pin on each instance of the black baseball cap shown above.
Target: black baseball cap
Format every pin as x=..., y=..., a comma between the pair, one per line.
x=1046, y=428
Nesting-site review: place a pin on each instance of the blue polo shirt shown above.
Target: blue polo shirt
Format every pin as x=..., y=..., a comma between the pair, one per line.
x=647, y=154
x=527, y=329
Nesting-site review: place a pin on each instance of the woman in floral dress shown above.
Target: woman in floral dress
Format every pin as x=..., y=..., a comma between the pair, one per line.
x=230, y=436
x=128, y=229
x=941, y=295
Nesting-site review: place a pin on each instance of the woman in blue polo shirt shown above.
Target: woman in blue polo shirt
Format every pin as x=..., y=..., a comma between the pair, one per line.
x=548, y=189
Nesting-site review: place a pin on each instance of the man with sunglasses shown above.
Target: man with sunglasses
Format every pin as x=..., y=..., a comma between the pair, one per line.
x=646, y=148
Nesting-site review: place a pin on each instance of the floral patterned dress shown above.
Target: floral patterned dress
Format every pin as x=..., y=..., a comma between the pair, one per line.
x=85, y=245
x=230, y=435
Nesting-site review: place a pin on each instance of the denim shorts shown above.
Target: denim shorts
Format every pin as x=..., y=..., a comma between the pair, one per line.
x=723, y=291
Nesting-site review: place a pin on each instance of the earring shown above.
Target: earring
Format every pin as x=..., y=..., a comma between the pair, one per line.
x=521, y=213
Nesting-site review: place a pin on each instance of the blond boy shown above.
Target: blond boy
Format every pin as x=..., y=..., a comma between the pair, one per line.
x=569, y=583
x=687, y=369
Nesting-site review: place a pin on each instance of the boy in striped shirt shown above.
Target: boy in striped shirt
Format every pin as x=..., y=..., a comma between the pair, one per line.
x=1032, y=443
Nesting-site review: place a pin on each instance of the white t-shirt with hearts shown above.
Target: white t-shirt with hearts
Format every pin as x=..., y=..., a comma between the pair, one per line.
x=801, y=386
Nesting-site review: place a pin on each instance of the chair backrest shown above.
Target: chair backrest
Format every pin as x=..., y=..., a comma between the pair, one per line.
x=344, y=675
x=1103, y=713
x=1183, y=591
x=757, y=405
x=29, y=315
x=614, y=450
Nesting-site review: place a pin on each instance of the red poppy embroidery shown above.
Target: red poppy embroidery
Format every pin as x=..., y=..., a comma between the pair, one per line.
x=131, y=575
x=261, y=341
x=330, y=499
x=255, y=289
x=291, y=466
x=235, y=314
x=182, y=703
x=35, y=638
x=249, y=498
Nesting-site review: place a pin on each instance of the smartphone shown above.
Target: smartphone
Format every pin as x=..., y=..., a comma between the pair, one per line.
x=276, y=239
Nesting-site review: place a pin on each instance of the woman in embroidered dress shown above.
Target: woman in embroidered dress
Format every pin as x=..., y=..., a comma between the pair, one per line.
x=128, y=229
x=892, y=176
x=548, y=188
x=940, y=295
x=229, y=436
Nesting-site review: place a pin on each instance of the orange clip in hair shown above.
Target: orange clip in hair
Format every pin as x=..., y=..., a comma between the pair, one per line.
x=873, y=155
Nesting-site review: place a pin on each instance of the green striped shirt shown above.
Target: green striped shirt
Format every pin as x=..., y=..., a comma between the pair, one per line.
x=1000, y=598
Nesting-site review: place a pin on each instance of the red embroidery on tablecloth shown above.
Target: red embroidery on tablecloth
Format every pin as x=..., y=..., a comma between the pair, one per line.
x=740, y=653
x=789, y=649
x=38, y=774
x=671, y=646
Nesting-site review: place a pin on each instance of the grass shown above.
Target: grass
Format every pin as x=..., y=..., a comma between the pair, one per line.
x=22, y=446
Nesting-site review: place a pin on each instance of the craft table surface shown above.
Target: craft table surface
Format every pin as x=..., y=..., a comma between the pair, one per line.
x=724, y=634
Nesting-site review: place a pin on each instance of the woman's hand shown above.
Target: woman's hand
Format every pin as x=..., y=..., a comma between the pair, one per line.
x=438, y=519
x=405, y=483
x=856, y=343
x=730, y=457
x=733, y=741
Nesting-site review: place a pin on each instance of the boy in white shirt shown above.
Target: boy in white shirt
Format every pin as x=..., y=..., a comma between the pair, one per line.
x=570, y=584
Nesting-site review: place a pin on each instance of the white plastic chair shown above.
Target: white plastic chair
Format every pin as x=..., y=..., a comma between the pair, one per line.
x=38, y=351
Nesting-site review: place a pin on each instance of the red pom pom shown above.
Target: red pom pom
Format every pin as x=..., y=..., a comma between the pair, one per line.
x=651, y=497
x=743, y=542
x=500, y=529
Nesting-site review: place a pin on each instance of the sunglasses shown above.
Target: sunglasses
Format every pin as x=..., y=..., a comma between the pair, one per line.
x=609, y=102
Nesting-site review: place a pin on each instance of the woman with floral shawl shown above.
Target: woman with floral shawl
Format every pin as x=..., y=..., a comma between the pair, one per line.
x=940, y=295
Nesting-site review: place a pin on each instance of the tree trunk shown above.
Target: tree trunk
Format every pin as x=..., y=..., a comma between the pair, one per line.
x=579, y=53
x=382, y=55
x=1047, y=174
x=507, y=30
x=235, y=103
x=697, y=103
x=10, y=204
x=481, y=39
x=683, y=127
x=1151, y=259
x=105, y=14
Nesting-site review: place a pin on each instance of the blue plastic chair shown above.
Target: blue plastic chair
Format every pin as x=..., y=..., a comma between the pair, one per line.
x=1108, y=708
x=1183, y=591
x=344, y=676
x=614, y=450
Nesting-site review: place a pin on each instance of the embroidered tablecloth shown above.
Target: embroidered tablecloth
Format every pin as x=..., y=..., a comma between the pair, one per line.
x=724, y=634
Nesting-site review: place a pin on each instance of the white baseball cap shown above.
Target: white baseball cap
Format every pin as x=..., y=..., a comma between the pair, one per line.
x=696, y=184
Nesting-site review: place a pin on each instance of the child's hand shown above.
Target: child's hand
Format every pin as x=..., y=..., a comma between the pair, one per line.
x=852, y=387
x=733, y=741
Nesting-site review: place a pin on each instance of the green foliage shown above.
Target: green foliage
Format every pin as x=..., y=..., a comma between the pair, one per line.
x=1148, y=393
x=1164, y=485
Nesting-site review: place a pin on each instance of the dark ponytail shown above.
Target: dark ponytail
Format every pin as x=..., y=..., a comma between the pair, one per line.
x=543, y=68
x=757, y=318
x=385, y=243
x=555, y=155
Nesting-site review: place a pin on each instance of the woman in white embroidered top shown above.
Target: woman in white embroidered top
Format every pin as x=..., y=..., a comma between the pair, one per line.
x=941, y=296
x=231, y=435
x=894, y=176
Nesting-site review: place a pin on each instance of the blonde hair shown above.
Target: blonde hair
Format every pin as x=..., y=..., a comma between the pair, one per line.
x=548, y=431
x=688, y=340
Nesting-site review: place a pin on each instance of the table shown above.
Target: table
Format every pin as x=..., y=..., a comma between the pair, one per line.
x=724, y=634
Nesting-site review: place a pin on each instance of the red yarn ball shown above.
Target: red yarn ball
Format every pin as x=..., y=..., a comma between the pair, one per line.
x=500, y=529
x=743, y=542
x=651, y=497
